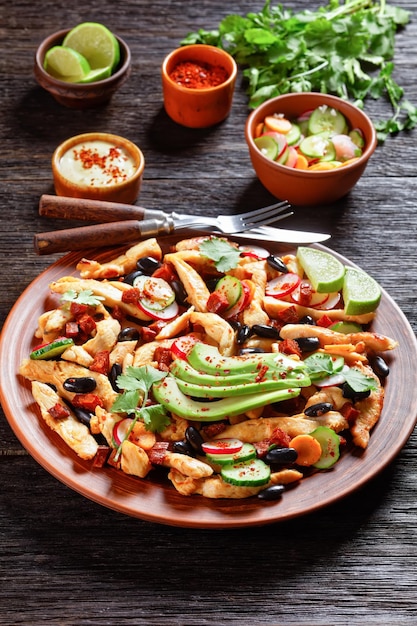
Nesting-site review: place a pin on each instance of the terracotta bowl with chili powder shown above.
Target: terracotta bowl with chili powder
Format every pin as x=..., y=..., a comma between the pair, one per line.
x=198, y=84
x=81, y=95
x=303, y=186
x=98, y=166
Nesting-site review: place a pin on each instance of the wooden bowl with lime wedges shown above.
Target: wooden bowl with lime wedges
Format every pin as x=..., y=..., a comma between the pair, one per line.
x=84, y=66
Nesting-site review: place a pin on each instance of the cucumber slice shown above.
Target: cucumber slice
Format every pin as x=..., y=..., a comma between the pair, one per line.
x=328, y=120
x=293, y=135
x=231, y=288
x=330, y=445
x=51, y=350
x=246, y=453
x=318, y=147
x=268, y=146
x=254, y=473
x=346, y=327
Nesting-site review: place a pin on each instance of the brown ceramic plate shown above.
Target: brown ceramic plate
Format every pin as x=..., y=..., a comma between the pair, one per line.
x=157, y=501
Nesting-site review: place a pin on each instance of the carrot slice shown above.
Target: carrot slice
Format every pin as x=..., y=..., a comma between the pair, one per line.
x=308, y=449
x=302, y=163
x=278, y=124
x=259, y=129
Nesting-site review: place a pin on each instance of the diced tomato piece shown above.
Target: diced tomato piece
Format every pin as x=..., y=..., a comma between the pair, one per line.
x=289, y=346
x=325, y=321
x=217, y=302
x=131, y=296
x=148, y=333
x=71, y=329
x=87, y=323
x=87, y=401
x=158, y=452
x=78, y=309
x=163, y=356
x=166, y=272
x=101, y=363
x=58, y=411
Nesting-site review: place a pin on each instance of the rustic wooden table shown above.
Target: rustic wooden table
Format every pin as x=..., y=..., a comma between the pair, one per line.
x=66, y=560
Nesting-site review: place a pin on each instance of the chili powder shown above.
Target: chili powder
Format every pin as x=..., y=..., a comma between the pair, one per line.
x=198, y=75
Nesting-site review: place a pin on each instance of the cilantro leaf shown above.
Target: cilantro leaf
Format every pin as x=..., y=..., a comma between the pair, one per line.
x=127, y=402
x=319, y=365
x=155, y=417
x=86, y=296
x=359, y=382
x=224, y=255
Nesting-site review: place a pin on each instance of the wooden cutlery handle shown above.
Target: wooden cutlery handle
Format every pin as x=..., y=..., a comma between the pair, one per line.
x=99, y=235
x=91, y=210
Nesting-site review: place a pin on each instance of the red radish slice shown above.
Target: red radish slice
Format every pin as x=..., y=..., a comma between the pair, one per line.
x=166, y=314
x=255, y=252
x=120, y=430
x=182, y=346
x=313, y=299
x=283, y=285
x=331, y=302
x=292, y=157
x=222, y=446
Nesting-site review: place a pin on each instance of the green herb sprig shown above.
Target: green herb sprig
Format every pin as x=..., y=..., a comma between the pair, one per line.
x=86, y=297
x=345, y=49
x=224, y=255
x=137, y=383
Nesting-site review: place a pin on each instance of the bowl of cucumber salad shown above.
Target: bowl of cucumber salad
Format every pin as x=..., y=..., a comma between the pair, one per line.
x=309, y=148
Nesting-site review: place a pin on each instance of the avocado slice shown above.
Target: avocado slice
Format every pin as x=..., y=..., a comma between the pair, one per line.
x=208, y=359
x=182, y=370
x=167, y=393
x=207, y=391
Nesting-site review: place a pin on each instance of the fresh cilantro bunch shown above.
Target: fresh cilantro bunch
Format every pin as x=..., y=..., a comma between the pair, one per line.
x=136, y=384
x=344, y=49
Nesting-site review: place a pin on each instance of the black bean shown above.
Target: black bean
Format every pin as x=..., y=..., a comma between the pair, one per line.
x=243, y=334
x=180, y=293
x=380, y=367
x=148, y=265
x=274, y=492
x=82, y=415
x=194, y=438
x=183, y=447
x=277, y=263
x=318, y=409
x=307, y=319
x=263, y=330
x=308, y=344
x=281, y=456
x=130, y=333
x=244, y=351
x=353, y=395
x=235, y=324
x=212, y=284
x=115, y=371
x=84, y=384
x=130, y=278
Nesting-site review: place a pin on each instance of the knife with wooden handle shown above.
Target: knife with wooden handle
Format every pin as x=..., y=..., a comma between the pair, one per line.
x=100, y=235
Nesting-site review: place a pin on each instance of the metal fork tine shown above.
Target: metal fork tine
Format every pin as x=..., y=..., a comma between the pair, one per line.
x=269, y=216
x=277, y=207
x=265, y=220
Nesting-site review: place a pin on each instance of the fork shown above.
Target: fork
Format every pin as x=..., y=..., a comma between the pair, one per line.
x=99, y=211
x=121, y=232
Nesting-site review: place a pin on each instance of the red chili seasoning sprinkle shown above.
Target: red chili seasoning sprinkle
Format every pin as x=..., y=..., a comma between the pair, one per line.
x=90, y=157
x=198, y=75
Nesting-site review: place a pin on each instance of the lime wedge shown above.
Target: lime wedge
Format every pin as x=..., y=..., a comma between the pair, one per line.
x=98, y=74
x=325, y=272
x=66, y=64
x=361, y=293
x=96, y=43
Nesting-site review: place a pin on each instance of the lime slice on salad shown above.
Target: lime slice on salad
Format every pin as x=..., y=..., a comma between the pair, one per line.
x=66, y=64
x=361, y=293
x=325, y=272
x=96, y=43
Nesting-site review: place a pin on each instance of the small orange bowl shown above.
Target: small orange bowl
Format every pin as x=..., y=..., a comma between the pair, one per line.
x=98, y=166
x=81, y=95
x=304, y=187
x=198, y=107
